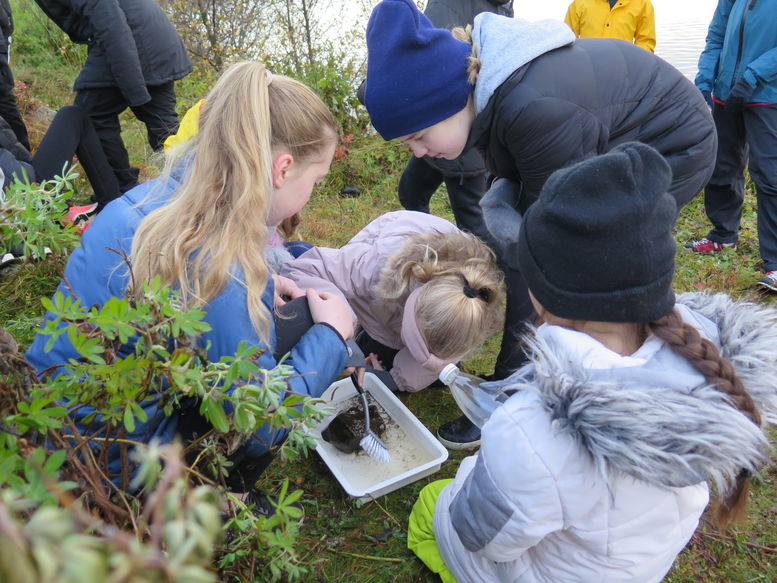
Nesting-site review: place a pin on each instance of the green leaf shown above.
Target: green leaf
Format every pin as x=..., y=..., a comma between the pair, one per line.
x=55, y=461
x=129, y=419
x=214, y=413
x=138, y=411
x=7, y=467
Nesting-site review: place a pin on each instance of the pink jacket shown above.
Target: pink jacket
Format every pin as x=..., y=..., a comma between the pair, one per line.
x=352, y=272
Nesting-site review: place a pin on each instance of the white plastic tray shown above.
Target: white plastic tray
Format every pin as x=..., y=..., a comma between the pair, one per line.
x=415, y=452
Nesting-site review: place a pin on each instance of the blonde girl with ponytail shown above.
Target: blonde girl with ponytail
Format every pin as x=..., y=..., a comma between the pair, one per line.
x=425, y=293
x=264, y=142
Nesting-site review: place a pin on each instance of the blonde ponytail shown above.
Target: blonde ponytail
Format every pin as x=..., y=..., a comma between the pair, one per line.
x=214, y=225
x=461, y=304
x=464, y=34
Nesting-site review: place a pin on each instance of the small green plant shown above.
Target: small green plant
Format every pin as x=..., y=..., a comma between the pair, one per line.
x=132, y=353
x=66, y=544
x=30, y=213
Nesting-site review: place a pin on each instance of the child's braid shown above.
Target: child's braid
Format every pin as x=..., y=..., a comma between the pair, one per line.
x=686, y=341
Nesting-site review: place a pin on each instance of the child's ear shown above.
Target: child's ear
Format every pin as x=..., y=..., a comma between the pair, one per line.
x=281, y=165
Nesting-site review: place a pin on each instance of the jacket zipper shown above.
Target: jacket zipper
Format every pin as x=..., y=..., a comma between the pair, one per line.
x=741, y=40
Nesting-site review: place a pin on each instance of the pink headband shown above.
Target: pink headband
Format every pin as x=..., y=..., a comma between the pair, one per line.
x=414, y=341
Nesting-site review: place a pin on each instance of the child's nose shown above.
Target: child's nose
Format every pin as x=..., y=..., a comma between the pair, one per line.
x=419, y=151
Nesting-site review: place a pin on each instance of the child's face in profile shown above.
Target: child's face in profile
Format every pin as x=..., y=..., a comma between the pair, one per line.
x=294, y=184
x=445, y=139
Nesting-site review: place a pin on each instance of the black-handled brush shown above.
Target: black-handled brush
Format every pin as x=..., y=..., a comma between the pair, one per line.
x=370, y=443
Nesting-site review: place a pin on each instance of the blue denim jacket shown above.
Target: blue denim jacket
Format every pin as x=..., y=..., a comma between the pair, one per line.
x=95, y=274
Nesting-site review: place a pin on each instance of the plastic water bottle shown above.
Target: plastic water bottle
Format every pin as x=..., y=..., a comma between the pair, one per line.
x=476, y=398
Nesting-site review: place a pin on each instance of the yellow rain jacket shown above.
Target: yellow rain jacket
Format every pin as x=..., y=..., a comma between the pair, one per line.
x=190, y=124
x=630, y=20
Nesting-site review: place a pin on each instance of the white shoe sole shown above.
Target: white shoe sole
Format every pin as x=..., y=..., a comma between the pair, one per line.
x=10, y=258
x=771, y=287
x=458, y=446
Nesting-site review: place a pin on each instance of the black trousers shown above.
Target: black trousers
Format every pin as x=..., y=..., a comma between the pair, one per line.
x=9, y=110
x=519, y=314
x=749, y=134
x=71, y=133
x=420, y=181
x=106, y=103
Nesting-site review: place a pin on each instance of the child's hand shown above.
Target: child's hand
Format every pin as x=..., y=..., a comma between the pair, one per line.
x=327, y=308
x=284, y=287
x=373, y=360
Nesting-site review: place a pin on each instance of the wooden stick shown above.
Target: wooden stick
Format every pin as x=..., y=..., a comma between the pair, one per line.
x=367, y=557
x=386, y=512
x=733, y=540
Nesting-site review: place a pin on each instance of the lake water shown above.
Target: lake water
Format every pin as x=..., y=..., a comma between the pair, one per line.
x=681, y=25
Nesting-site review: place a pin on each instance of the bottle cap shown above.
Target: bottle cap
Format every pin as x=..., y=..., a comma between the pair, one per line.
x=448, y=373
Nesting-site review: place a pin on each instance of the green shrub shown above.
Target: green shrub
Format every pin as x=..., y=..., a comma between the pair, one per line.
x=50, y=472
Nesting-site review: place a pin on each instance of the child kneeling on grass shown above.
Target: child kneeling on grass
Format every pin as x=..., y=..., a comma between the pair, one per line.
x=425, y=293
x=597, y=467
x=264, y=143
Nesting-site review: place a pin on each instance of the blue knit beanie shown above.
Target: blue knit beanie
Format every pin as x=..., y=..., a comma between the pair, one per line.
x=416, y=73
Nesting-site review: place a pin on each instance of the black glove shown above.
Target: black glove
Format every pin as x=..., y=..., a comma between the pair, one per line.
x=740, y=95
x=707, y=95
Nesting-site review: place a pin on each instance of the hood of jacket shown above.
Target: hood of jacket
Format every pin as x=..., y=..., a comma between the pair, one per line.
x=654, y=423
x=506, y=44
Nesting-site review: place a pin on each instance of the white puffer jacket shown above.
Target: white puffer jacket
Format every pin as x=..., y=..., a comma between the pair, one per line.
x=596, y=470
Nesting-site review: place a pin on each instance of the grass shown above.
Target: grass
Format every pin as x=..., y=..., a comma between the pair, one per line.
x=343, y=540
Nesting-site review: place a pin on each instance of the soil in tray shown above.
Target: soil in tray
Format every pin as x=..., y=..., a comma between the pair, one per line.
x=361, y=470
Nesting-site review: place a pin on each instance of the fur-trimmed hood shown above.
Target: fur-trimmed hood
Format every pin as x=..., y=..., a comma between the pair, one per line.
x=655, y=422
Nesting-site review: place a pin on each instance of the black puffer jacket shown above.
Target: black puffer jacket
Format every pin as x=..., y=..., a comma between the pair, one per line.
x=14, y=158
x=6, y=21
x=585, y=98
x=452, y=13
x=132, y=44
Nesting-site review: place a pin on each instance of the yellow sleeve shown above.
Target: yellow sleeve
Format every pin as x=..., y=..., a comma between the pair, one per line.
x=188, y=128
x=572, y=19
x=645, y=35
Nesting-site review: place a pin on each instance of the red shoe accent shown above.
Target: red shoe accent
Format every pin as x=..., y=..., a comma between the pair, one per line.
x=706, y=246
x=80, y=216
x=80, y=213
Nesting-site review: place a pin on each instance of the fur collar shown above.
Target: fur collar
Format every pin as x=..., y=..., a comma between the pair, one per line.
x=650, y=424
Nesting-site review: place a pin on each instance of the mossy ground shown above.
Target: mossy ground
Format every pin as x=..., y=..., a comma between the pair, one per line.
x=344, y=540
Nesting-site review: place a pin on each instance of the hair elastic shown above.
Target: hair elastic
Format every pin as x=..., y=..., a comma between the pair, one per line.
x=268, y=76
x=471, y=292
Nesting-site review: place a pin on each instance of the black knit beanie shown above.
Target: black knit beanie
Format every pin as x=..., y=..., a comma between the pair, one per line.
x=597, y=245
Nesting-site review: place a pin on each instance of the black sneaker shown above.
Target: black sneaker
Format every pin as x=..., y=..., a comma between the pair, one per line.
x=9, y=258
x=460, y=433
x=16, y=254
x=769, y=281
